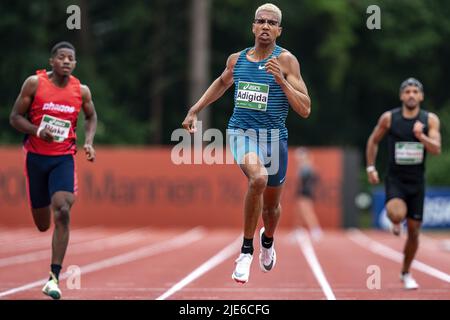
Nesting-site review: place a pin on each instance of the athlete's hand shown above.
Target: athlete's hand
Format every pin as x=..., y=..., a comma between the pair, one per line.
x=90, y=152
x=46, y=135
x=418, y=129
x=273, y=67
x=190, y=122
x=373, y=177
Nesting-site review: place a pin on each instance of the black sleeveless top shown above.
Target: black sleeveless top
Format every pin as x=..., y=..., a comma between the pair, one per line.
x=407, y=154
x=308, y=180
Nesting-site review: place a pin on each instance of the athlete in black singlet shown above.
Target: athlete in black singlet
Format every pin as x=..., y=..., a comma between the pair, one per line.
x=412, y=133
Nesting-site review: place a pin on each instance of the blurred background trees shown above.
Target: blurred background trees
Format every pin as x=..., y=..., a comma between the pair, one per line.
x=139, y=60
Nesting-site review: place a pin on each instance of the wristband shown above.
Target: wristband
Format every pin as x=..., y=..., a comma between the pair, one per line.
x=370, y=169
x=39, y=131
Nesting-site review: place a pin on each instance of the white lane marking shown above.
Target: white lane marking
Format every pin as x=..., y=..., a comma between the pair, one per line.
x=119, y=240
x=211, y=263
x=308, y=251
x=143, y=252
x=376, y=247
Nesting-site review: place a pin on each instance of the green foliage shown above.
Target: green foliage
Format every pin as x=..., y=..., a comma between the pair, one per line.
x=134, y=57
x=438, y=167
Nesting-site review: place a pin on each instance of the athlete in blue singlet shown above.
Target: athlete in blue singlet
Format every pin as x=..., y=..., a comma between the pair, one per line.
x=267, y=81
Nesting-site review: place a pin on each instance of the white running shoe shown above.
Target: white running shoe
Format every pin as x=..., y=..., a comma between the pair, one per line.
x=267, y=257
x=408, y=282
x=396, y=229
x=242, y=270
x=51, y=288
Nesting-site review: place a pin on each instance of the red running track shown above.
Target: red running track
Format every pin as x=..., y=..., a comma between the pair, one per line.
x=149, y=263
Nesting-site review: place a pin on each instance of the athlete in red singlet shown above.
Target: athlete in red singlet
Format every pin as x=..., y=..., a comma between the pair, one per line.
x=46, y=110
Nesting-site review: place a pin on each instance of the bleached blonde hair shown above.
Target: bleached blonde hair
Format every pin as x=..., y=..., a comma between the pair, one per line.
x=271, y=8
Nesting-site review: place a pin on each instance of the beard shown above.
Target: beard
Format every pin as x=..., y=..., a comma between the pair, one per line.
x=411, y=104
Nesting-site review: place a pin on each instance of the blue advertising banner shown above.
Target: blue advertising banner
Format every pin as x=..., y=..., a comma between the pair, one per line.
x=436, y=209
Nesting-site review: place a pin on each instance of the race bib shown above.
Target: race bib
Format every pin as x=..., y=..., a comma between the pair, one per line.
x=58, y=127
x=252, y=95
x=408, y=153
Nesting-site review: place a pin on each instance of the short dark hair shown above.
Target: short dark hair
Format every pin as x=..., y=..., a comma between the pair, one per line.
x=411, y=82
x=61, y=45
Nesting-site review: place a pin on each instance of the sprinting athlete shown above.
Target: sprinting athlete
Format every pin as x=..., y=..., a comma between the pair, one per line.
x=412, y=132
x=267, y=80
x=47, y=110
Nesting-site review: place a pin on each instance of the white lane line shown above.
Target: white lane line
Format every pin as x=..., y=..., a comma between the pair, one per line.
x=308, y=251
x=376, y=247
x=436, y=244
x=119, y=240
x=17, y=243
x=12, y=234
x=214, y=261
x=143, y=252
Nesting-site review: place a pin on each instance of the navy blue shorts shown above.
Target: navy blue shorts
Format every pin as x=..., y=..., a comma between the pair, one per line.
x=47, y=175
x=272, y=154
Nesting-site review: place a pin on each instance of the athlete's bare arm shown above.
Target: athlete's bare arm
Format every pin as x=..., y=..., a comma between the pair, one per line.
x=378, y=133
x=214, y=92
x=286, y=71
x=90, y=124
x=23, y=103
x=432, y=142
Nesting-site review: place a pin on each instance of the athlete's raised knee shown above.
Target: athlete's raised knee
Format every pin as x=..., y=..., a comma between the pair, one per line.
x=396, y=217
x=43, y=228
x=41, y=217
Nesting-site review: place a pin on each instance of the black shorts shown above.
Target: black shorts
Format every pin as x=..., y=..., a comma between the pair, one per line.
x=304, y=192
x=413, y=193
x=47, y=175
